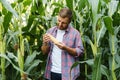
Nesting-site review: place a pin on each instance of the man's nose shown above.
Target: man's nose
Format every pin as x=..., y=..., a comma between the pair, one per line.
x=60, y=23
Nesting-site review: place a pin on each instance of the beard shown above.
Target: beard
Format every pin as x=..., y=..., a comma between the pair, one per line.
x=61, y=27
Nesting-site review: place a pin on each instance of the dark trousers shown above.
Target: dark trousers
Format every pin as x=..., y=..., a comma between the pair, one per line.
x=55, y=76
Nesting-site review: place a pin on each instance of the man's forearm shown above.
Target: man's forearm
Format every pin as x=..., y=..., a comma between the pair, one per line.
x=45, y=48
x=71, y=51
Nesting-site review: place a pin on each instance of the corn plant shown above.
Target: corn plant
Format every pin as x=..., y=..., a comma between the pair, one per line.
x=3, y=37
x=2, y=52
x=18, y=42
x=112, y=35
x=99, y=27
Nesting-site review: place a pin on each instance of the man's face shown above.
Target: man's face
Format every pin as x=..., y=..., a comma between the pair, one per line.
x=63, y=23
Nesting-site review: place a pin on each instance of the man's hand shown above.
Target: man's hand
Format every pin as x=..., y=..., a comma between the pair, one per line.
x=45, y=47
x=61, y=45
x=56, y=42
x=71, y=51
x=46, y=38
x=53, y=39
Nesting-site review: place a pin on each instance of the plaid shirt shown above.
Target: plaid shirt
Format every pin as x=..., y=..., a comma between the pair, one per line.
x=72, y=39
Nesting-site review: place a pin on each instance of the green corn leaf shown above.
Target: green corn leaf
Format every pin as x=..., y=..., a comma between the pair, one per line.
x=108, y=24
x=12, y=56
x=89, y=62
x=33, y=65
x=17, y=68
x=81, y=4
x=105, y=71
x=69, y=4
x=7, y=20
x=94, y=6
x=96, y=74
x=12, y=36
x=57, y=4
x=29, y=59
x=94, y=48
x=7, y=5
x=112, y=7
x=100, y=34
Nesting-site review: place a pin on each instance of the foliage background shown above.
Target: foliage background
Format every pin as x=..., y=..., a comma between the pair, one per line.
x=23, y=22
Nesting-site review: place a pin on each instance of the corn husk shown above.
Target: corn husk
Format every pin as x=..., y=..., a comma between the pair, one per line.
x=54, y=40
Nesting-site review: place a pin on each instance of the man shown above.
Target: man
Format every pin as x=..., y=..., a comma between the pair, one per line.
x=62, y=55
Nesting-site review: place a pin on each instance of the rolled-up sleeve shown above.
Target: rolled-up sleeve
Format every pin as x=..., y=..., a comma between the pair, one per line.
x=79, y=46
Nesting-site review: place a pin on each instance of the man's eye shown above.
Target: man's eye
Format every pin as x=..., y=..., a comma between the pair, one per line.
x=64, y=23
x=58, y=20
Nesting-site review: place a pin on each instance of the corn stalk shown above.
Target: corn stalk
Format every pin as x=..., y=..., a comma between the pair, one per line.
x=112, y=37
x=3, y=29
x=2, y=51
x=113, y=52
x=112, y=8
x=108, y=24
x=96, y=74
x=20, y=51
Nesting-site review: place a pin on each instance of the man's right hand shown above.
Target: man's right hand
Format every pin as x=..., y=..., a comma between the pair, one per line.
x=46, y=38
x=45, y=47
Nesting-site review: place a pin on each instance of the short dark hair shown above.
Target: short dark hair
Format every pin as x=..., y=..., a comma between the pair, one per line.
x=65, y=12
